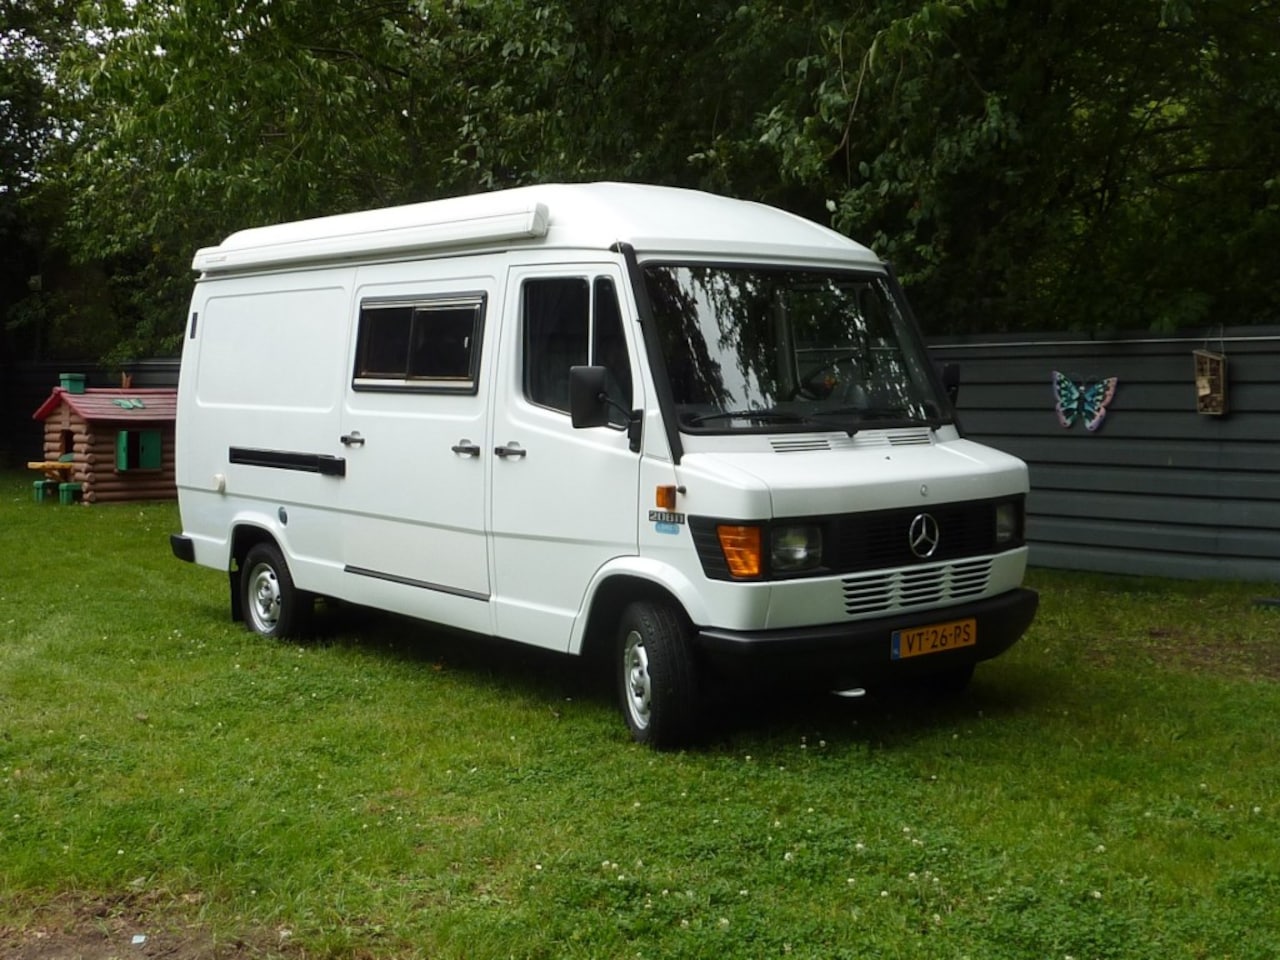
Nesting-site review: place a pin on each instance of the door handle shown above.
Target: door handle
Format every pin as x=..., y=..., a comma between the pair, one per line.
x=352, y=439
x=466, y=448
x=512, y=449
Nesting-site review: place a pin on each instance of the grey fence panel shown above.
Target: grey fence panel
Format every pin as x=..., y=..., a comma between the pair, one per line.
x=1158, y=489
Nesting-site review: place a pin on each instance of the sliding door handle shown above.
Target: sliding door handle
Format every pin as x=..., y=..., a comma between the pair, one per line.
x=511, y=449
x=466, y=448
x=352, y=439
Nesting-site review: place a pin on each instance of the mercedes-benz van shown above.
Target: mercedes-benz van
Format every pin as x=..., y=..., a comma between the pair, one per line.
x=690, y=434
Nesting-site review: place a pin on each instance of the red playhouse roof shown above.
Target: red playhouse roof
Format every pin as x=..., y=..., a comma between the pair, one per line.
x=114, y=403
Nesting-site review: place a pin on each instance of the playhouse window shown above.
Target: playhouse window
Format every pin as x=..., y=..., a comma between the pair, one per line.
x=138, y=450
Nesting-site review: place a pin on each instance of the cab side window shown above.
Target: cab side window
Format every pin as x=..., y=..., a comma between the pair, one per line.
x=569, y=322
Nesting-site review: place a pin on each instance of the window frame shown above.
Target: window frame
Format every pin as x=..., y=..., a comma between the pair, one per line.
x=592, y=282
x=469, y=385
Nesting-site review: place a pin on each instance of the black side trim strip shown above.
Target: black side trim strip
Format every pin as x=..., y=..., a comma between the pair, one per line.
x=653, y=349
x=410, y=582
x=321, y=463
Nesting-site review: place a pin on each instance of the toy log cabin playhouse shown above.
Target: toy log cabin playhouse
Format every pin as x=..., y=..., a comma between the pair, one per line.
x=105, y=445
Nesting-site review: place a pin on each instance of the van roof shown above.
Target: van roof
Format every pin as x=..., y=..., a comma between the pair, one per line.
x=656, y=221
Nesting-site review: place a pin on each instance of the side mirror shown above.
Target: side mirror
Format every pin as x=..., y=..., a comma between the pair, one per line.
x=588, y=402
x=951, y=381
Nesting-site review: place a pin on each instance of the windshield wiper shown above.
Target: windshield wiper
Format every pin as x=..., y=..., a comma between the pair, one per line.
x=762, y=416
x=874, y=413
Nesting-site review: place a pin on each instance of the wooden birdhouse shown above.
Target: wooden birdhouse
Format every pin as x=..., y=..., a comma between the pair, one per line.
x=1211, y=383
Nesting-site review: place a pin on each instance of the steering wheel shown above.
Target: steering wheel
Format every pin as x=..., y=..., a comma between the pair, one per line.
x=820, y=382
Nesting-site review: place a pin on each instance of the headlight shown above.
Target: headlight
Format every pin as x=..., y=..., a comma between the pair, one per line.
x=797, y=547
x=1008, y=518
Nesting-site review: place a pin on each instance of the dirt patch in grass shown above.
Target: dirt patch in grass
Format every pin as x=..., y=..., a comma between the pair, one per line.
x=129, y=928
x=1190, y=650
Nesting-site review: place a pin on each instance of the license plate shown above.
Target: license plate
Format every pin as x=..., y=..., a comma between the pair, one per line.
x=934, y=638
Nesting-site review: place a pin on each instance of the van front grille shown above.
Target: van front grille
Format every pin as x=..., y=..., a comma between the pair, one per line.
x=879, y=540
x=914, y=587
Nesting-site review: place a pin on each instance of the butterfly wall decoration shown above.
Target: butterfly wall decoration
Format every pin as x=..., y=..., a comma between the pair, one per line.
x=1087, y=402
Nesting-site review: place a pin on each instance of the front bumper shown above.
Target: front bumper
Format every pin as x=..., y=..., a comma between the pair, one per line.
x=860, y=651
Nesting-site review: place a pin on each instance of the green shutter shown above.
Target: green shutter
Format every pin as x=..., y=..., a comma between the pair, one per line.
x=138, y=450
x=149, y=449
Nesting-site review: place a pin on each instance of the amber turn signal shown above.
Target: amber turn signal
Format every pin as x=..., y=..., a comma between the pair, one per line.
x=665, y=497
x=741, y=546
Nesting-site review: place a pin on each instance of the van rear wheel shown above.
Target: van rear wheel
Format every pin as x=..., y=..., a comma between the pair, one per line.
x=657, y=681
x=273, y=606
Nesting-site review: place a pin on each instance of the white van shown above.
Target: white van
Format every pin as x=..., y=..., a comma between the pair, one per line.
x=694, y=435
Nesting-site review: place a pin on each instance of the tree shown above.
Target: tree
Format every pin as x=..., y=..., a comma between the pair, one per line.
x=31, y=34
x=1026, y=166
x=1051, y=164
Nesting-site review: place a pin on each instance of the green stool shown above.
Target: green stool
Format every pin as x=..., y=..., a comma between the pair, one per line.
x=42, y=490
x=69, y=492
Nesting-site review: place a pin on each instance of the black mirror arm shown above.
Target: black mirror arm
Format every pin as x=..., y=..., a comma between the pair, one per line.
x=634, y=419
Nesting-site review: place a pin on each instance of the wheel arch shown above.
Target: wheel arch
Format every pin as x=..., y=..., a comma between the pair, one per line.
x=615, y=587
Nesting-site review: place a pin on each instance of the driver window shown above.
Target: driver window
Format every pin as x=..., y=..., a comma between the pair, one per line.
x=609, y=348
x=566, y=321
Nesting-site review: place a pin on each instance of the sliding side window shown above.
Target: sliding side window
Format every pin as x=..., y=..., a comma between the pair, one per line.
x=424, y=345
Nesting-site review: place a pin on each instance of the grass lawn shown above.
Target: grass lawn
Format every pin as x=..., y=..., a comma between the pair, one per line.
x=1109, y=788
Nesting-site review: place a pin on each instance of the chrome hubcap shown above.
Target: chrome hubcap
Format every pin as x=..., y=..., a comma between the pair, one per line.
x=264, y=598
x=635, y=665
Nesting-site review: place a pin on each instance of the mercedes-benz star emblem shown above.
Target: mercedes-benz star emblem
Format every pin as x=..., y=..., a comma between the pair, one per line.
x=923, y=536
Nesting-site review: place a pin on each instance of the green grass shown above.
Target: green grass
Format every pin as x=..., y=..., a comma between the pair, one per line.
x=1110, y=788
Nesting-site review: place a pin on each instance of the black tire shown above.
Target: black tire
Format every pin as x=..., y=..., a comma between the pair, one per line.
x=947, y=684
x=656, y=675
x=272, y=605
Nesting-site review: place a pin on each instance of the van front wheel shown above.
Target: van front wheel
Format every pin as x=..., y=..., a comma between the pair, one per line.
x=272, y=605
x=657, y=682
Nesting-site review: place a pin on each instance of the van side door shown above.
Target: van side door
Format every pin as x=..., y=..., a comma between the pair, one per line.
x=415, y=432
x=564, y=501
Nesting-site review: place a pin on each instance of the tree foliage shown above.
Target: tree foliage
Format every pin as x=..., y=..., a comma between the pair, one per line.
x=1026, y=165
x=1051, y=164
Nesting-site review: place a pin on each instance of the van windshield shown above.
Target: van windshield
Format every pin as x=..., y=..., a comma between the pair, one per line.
x=775, y=349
